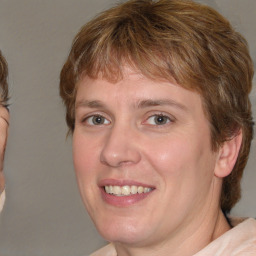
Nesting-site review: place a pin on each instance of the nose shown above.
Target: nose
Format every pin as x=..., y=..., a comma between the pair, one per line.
x=120, y=147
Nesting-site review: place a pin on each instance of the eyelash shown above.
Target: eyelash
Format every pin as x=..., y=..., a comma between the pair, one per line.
x=167, y=119
x=89, y=120
x=102, y=120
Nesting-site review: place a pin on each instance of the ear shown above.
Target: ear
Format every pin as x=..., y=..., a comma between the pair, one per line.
x=227, y=156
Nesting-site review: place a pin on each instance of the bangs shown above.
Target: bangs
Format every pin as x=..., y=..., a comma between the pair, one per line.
x=142, y=40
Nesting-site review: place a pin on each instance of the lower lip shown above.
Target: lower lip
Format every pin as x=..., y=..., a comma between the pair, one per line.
x=123, y=201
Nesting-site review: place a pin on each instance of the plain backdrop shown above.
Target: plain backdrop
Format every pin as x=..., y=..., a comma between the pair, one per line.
x=44, y=215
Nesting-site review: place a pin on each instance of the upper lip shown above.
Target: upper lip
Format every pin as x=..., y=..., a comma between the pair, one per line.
x=118, y=182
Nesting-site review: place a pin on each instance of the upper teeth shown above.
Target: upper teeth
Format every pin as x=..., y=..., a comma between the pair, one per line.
x=126, y=190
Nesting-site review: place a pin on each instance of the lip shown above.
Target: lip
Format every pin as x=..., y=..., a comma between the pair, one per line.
x=117, y=182
x=123, y=201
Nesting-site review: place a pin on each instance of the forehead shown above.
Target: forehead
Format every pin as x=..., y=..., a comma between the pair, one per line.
x=135, y=89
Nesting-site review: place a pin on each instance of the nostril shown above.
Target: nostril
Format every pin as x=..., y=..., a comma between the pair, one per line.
x=117, y=158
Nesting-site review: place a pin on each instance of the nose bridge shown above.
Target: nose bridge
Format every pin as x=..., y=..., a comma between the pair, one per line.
x=120, y=146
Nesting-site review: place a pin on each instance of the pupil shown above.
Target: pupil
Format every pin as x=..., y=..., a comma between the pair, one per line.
x=160, y=119
x=98, y=120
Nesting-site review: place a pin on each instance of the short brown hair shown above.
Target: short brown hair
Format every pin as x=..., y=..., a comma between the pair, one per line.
x=3, y=80
x=172, y=39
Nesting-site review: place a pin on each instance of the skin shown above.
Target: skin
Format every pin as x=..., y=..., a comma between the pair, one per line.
x=181, y=215
x=4, y=123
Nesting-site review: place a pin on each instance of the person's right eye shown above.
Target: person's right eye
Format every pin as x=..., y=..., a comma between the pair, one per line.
x=96, y=120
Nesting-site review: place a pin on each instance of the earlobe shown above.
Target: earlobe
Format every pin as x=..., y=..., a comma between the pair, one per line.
x=227, y=156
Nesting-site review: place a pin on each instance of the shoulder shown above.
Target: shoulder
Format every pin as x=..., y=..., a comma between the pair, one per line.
x=108, y=250
x=238, y=241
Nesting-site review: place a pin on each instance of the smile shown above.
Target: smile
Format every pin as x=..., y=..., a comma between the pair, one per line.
x=126, y=190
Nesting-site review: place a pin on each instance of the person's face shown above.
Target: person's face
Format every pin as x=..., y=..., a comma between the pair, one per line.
x=142, y=156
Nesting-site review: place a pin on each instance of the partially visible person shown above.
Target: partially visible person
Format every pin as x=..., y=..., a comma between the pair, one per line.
x=157, y=100
x=4, y=123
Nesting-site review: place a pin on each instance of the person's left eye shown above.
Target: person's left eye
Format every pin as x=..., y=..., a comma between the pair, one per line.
x=158, y=120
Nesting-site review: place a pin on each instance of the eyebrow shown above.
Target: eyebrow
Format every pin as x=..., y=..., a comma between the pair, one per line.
x=161, y=102
x=139, y=104
x=90, y=104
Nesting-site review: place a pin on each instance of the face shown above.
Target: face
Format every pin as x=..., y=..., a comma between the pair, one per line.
x=143, y=159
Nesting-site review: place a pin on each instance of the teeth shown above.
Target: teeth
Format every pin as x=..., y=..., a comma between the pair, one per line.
x=134, y=190
x=107, y=189
x=146, y=190
x=126, y=190
x=140, y=190
x=117, y=190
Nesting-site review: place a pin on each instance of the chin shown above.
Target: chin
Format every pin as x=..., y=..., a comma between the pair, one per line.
x=122, y=231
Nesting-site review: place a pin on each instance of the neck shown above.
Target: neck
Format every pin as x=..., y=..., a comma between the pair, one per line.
x=184, y=244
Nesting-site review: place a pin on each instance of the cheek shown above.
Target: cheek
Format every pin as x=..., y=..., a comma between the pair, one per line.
x=84, y=156
x=84, y=160
x=169, y=155
x=182, y=161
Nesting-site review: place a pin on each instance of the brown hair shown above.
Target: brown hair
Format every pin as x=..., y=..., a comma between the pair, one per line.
x=3, y=80
x=172, y=39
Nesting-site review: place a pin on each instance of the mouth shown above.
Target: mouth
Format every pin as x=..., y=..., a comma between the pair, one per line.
x=124, y=193
x=126, y=190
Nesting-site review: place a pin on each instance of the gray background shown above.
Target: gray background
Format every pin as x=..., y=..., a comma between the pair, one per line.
x=43, y=214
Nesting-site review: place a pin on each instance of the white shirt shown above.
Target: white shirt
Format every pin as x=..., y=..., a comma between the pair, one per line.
x=238, y=241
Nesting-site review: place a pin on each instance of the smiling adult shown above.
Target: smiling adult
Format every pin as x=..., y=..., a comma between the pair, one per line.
x=157, y=100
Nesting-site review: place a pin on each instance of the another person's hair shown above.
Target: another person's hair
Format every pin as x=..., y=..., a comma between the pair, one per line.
x=174, y=40
x=3, y=81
